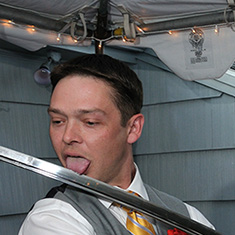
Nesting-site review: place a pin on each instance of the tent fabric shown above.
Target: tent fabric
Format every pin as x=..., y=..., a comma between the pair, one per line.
x=187, y=57
x=147, y=10
x=217, y=52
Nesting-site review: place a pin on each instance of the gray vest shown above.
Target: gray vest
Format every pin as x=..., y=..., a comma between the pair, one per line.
x=102, y=220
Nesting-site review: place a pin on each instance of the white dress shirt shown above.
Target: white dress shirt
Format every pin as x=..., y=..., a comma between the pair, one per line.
x=54, y=217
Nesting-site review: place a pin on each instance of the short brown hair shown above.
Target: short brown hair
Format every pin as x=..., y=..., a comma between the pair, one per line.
x=128, y=89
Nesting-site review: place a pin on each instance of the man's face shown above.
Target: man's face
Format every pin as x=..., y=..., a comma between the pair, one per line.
x=86, y=131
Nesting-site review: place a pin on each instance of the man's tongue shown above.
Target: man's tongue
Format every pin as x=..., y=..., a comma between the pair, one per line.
x=77, y=164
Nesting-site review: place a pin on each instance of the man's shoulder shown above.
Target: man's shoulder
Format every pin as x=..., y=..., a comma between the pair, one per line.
x=161, y=194
x=165, y=200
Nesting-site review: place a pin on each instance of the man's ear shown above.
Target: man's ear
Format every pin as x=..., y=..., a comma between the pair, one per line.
x=135, y=125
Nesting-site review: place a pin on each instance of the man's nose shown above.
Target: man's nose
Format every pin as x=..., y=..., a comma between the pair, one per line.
x=72, y=133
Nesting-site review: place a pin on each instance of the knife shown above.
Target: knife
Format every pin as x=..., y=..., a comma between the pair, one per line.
x=103, y=190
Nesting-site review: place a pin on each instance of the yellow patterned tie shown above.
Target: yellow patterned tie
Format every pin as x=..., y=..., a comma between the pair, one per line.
x=136, y=223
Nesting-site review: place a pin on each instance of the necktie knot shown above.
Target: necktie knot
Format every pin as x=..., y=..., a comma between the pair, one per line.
x=136, y=222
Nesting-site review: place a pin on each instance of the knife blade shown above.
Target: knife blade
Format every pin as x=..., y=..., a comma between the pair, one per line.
x=103, y=190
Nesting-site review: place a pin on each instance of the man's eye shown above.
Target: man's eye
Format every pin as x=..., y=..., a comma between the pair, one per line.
x=91, y=123
x=56, y=122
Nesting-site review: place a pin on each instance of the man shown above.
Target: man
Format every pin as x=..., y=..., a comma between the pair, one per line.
x=95, y=113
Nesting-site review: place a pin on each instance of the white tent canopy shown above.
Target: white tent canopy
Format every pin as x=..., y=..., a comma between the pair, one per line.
x=195, y=39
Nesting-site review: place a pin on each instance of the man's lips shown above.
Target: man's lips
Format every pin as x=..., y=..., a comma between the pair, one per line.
x=77, y=164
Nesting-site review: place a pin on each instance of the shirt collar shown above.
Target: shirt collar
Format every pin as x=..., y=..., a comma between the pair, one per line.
x=136, y=186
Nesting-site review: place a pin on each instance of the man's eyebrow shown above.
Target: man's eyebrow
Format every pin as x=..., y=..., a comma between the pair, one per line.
x=53, y=110
x=89, y=111
x=78, y=112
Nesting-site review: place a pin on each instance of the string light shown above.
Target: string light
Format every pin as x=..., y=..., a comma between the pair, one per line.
x=58, y=39
x=31, y=28
x=116, y=33
x=100, y=45
x=139, y=29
